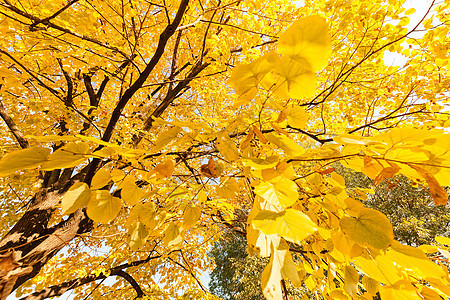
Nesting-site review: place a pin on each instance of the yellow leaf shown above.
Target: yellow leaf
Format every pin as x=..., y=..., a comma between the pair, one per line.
x=307, y=38
x=369, y=228
x=245, y=78
x=443, y=240
x=100, y=179
x=131, y=193
x=285, y=143
x=68, y=156
x=76, y=197
x=370, y=284
x=191, y=215
x=166, y=168
x=166, y=137
x=291, y=78
x=261, y=163
x=429, y=294
x=137, y=236
x=387, y=172
x=297, y=117
x=380, y=268
x=414, y=259
x=23, y=159
x=410, y=11
x=145, y=213
x=351, y=278
x=271, y=279
x=227, y=148
x=291, y=224
x=228, y=189
x=401, y=290
x=280, y=191
x=103, y=207
x=172, y=235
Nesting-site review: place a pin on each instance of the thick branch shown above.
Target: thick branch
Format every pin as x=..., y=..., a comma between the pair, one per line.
x=12, y=127
x=163, y=39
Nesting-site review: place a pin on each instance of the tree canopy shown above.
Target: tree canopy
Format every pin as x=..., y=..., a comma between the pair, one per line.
x=135, y=130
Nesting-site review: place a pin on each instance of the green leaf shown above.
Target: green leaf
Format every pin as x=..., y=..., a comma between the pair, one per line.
x=76, y=197
x=68, y=156
x=23, y=159
x=369, y=228
x=291, y=224
x=308, y=39
x=280, y=191
x=138, y=235
x=103, y=207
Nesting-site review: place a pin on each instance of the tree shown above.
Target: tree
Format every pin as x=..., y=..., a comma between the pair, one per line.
x=126, y=151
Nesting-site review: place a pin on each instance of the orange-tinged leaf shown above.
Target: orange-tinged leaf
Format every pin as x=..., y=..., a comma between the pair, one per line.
x=76, y=197
x=387, y=172
x=103, y=207
x=246, y=142
x=259, y=134
x=23, y=159
x=166, y=168
x=209, y=169
x=437, y=192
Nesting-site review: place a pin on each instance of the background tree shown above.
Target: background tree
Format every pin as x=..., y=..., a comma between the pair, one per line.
x=126, y=152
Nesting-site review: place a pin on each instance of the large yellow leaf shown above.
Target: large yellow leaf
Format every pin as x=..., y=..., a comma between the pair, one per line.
x=271, y=279
x=297, y=117
x=351, y=279
x=369, y=227
x=190, y=216
x=371, y=285
x=137, y=236
x=245, y=78
x=378, y=267
x=414, y=259
x=172, y=235
x=285, y=143
x=401, y=290
x=290, y=78
x=68, y=156
x=291, y=224
x=131, y=193
x=227, y=148
x=145, y=213
x=103, y=207
x=307, y=38
x=76, y=197
x=261, y=163
x=166, y=137
x=101, y=178
x=23, y=159
x=280, y=191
